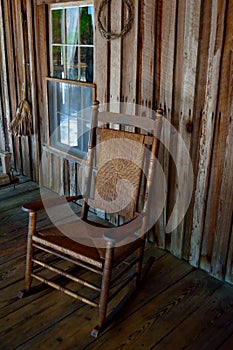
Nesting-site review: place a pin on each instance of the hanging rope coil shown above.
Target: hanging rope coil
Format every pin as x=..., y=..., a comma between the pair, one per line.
x=114, y=35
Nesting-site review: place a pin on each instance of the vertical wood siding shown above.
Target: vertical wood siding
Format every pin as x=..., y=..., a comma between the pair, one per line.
x=177, y=55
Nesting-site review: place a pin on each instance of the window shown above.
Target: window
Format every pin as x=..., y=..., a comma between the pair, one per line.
x=70, y=87
x=70, y=115
x=72, y=41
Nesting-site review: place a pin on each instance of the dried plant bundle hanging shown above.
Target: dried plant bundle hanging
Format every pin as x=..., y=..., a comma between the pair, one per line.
x=21, y=125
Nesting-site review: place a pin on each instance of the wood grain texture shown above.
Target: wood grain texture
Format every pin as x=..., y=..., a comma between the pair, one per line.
x=177, y=55
x=218, y=245
x=130, y=49
x=116, y=25
x=102, y=54
x=177, y=306
x=6, y=82
x=201, y=79
x=188, y=38
x=207, y=128
x=146, y=55
x=222, y=238
x=35, y=155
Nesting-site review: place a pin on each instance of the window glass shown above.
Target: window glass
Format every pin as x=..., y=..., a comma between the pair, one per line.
x=71, y=59
x=57, y=58
x=70, y=110
x=86, y=25
x=57, y=26
x=72, y=41
x=72, y=26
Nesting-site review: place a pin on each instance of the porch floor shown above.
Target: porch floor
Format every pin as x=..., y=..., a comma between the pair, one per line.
x=178, y=307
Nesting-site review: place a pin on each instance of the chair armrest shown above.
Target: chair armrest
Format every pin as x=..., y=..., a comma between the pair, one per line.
x=48, y=203
x=119, y=233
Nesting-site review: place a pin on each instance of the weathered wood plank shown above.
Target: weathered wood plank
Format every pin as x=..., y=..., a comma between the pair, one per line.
x=13, y=251
x=35, y=155
x=46, y=163
x=228, y=344
x=229, y=269
x=222, y=237
x=164, y=81
x=206, y=324
x=3, y=141
x=115, y=56
x=167, y=55
x=57, y=172
x=169, y=308
x=7, y=77
x=207, y=128
x=221, y=132
x=147, y=54
x=42, y=2
x=16, y=8
x=130, y=63
x=189, y=50
x=163, y=314
x=5, y=206
x=45, y=307
x=25, y=156
x=40, y=31
x=13, y=281
x=101, y=70
x=201, y=80
x=73, y=178
x=185, y=76
x=140, y=300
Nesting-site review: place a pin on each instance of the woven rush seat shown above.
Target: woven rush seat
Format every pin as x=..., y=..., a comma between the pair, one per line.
x=86, y=249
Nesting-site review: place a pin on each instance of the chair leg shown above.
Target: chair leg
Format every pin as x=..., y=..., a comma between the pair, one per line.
x=28, y=272
x=105, y=287
x=28, y=276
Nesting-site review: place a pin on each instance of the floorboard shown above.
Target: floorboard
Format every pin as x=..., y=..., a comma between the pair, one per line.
x=177, y=307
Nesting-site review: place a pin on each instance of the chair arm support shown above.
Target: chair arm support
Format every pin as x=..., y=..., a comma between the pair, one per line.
x=119, y=233
x=48, y=203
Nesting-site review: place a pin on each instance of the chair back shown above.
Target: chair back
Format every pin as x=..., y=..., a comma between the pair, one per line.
x=124, y=158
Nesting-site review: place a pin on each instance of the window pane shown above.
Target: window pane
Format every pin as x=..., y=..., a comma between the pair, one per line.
x=63, y=128
x=57, y=26
x=70, y=115
x=86, y=98
x=63, y=105
x=72, y=25
x=72, y=63
x=73, y=131
x=86, y=54
x=58, y=67
x=86, y=25
x=71, y=37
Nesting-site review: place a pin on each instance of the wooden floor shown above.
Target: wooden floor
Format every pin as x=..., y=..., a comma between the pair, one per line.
x=178, y=307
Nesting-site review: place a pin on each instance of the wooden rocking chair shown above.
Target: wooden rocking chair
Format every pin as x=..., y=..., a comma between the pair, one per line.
x=126, y=164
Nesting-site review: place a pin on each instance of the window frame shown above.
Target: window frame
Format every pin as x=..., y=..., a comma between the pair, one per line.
x=54, y=141
x=60, y=6
x=55, y=145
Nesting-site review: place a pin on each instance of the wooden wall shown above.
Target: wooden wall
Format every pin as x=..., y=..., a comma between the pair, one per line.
x=178, y=55
x=25, y=149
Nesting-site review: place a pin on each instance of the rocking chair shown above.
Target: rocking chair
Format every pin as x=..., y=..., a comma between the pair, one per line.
x=121, y=163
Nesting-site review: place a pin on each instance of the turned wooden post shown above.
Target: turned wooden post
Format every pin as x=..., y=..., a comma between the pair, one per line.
x=89, y=164
x=104, y=288
x=31, y=231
